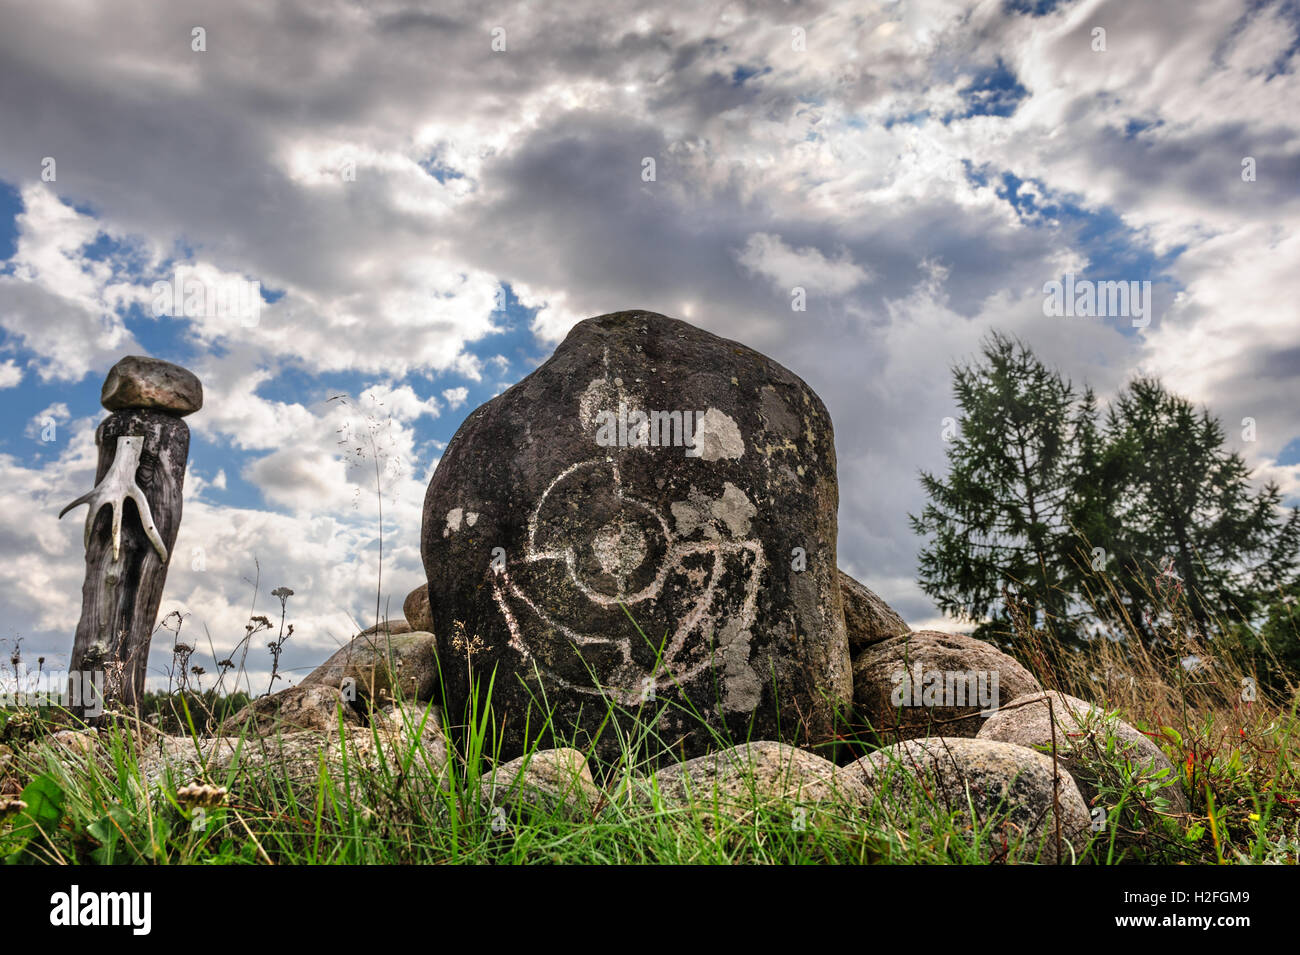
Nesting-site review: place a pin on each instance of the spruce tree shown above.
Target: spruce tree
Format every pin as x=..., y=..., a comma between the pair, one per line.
x=999, y=521
x=1184, y=516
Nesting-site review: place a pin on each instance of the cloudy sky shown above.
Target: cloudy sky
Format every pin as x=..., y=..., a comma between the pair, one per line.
x=393, y=173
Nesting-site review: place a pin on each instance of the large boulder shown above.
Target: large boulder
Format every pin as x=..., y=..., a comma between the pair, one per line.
x=646, y=522
x=1085, y=737
x=867, y=618
x=929, y=683
x=382, y=666
x=922, y=786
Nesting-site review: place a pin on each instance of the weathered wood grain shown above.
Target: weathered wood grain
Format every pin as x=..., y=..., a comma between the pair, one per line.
x=120, y=598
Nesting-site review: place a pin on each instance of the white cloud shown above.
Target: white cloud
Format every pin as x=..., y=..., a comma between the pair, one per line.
x=807, y=268
x=400, y=403
x=55, y=301
x=10, y=374
x=830, y=168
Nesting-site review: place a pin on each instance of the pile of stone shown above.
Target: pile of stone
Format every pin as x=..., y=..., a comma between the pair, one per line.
x=643, y=530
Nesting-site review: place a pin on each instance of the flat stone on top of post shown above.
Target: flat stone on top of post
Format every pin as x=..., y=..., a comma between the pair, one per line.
x=151, y=383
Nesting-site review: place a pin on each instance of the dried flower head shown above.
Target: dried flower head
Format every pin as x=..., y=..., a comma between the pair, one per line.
x=11, y=807
x=203, y=795
x=466, y=644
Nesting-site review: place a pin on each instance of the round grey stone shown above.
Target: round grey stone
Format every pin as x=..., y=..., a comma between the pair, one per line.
x=929, y=683
x=297, y=708
x=867, y=618
x=1014, y=791
x=383, y=665
x=553, y=780
x=1081, y=728
x=138, y=381
x=415, y=608
x=762, y=773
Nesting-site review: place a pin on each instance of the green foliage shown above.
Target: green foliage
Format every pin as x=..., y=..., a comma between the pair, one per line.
x=1184, y=512
x=1040, y=493
x=39, y=818
x=999, y=519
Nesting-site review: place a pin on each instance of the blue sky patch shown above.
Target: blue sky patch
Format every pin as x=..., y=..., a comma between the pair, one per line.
x=1133, y=127
x=1033, y=8
x=439, y=170
x=742, y=73
x=992, y=92
x=11, y=205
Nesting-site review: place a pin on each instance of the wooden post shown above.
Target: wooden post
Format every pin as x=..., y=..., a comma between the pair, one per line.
x=143, y=447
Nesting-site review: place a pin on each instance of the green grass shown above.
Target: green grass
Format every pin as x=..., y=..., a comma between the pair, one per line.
x=98, y=808
x=1236, y=757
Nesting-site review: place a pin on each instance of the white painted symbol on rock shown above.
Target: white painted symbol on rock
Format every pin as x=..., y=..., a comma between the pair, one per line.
x=628, y=560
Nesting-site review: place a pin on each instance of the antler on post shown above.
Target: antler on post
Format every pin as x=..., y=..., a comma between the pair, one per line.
x=117, y=486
